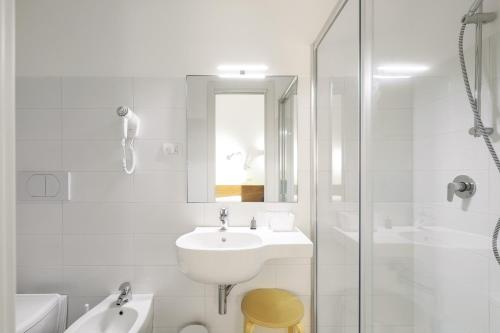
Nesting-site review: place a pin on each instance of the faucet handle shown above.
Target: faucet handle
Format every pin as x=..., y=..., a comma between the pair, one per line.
x=223, y=213
x=462, y=186
x=452, y=189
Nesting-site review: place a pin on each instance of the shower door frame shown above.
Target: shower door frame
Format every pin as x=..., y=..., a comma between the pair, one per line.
x=7, y=167
x=364, y=102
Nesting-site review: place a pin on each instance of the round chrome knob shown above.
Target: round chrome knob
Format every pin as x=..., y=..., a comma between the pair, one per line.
x=462, y=186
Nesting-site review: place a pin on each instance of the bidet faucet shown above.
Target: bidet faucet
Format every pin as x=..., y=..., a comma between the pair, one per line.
x=125, y=294
x=223, y=213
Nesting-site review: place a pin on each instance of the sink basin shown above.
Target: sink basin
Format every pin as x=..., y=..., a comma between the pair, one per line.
x=232, y=240
x=136, y=316
x=209, y=255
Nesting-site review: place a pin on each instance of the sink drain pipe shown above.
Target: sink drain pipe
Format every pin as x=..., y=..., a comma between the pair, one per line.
x=224, y=290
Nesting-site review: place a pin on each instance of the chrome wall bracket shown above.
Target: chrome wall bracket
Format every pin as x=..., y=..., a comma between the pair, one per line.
x=474, y=131
x=479, y=18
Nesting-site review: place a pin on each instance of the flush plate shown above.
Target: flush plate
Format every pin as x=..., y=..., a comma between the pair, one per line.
x=43, y=185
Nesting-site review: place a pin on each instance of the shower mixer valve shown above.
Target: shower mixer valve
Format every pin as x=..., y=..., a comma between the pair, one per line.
x=462, y=186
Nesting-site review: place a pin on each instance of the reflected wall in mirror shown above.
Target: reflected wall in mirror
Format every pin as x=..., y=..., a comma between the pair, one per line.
x=242, y=139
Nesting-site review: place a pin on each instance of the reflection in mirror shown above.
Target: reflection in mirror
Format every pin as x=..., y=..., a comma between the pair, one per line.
x=287, y=144
x=239, y=147
x=242, y=139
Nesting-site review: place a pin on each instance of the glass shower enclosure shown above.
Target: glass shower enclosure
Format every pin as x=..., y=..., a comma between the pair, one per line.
x=403, y=242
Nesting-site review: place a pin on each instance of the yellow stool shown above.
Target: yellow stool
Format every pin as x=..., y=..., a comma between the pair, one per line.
x=272, y=308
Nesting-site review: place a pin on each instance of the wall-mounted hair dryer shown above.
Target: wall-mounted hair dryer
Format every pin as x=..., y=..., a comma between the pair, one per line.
x=131, y=125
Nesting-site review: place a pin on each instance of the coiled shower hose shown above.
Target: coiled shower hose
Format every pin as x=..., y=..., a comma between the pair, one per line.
x=480, y=125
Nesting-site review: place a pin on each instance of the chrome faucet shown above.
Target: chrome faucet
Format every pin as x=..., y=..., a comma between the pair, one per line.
x=125, y=293
x=223, y=213
x=462, y=186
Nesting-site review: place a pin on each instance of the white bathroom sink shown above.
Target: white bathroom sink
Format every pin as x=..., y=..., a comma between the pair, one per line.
x=231, y=240
x=136, y=316
x=236, y=255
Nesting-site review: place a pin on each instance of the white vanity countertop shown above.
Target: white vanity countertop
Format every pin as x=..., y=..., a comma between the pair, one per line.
x=237, y=254
x=268, y=236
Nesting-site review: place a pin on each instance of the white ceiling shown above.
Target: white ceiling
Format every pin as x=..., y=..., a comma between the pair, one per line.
x=165, y=37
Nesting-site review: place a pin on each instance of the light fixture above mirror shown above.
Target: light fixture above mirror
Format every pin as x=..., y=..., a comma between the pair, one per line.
x=242, y=71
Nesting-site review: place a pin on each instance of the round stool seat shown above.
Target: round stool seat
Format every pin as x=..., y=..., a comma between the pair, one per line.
x=272, y=308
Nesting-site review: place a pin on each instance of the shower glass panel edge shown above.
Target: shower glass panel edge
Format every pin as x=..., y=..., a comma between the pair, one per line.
x=348, y=300
x=366, y=227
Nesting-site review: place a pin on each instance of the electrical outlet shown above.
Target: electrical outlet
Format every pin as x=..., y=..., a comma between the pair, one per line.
x=172, y=148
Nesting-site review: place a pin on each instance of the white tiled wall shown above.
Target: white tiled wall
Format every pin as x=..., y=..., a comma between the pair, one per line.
x=390, y=164
x=419, y=144
x=390, y=171
x=457, y=283
x=118, y=227
x=442, y=278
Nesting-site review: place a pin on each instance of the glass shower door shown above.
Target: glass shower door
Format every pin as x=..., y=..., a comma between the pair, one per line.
x=337, y=204
x=432, y=269
x=384, y=166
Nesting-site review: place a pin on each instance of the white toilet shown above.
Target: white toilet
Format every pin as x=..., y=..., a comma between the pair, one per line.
x=194, y=329
x=40, y=313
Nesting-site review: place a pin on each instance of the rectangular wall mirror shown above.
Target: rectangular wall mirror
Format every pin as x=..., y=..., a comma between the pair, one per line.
x=242, y=139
